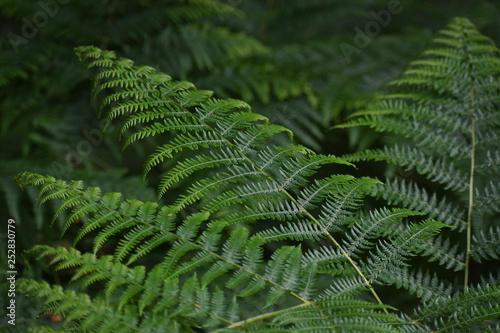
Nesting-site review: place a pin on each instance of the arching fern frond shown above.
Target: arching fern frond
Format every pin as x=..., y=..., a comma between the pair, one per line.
x=390, y=256
x=443, y=110
x=233, y=180
x=223, y=253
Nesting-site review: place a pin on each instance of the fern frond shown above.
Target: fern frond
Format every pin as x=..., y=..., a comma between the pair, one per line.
x=92, y=314
x=467, y=310
x=438, y=170
x=424, y=285
x=411, y=196
x=378, y=224
x=238, y=203
x=329, y=260
x=390, y=255
x=488, y=198
x=444, y=110
x=444, y=252
x=346, y=286
x=292, y=171
x=486, y=245
x=332, y=314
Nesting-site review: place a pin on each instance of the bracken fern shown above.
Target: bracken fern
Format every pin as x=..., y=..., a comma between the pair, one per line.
x=251, y=237
x=444, y=112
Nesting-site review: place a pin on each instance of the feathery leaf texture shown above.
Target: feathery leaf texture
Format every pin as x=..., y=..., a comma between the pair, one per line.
x=251, y=238
x=444, y=110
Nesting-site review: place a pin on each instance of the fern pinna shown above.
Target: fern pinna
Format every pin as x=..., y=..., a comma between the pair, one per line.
x=256, y=241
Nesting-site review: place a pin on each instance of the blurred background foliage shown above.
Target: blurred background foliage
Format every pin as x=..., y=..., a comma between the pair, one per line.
x=283, y=57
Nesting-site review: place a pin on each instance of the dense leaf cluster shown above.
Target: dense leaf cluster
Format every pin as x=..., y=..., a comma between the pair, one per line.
x=257, y=236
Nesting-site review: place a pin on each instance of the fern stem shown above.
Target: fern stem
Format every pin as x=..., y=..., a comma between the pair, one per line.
x=329, y=236
x=343, y=251
x=471, y=202
x=267, y=315
x=358, y=270
x=471, y=179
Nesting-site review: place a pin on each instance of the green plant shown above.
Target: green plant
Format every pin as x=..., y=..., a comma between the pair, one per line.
x=252, y=237
x=47, y=124
x=444, y=114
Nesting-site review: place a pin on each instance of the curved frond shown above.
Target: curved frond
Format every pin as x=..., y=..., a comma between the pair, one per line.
x=254, y=233
x=443, y=113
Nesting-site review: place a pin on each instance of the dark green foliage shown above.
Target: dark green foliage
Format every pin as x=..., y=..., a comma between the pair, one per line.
x=261, y=182
x=233, y=198
x=445, y=109
x=250, y=233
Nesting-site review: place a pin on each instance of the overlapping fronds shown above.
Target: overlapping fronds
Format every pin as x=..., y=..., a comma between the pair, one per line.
x=478, y=306
x=255, y=236
x=445, y=110
x=234, y=182
x=199, y=261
